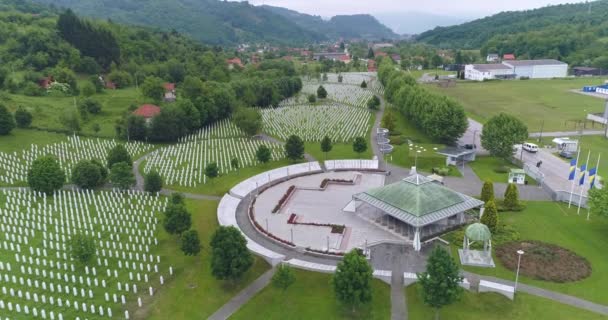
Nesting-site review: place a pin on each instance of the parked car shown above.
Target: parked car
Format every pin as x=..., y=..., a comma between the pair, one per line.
x=530, y=147
x=566, y=154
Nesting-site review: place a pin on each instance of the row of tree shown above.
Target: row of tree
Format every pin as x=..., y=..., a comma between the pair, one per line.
x=438, y=116
x=22, y=119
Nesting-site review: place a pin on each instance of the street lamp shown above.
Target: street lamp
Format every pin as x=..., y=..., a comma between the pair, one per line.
x=416, y=159
x=519, y=254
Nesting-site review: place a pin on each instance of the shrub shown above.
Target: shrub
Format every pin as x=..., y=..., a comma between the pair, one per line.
x=511, y=200
x=45, y=175
x=487, y=191
x=312, y=98
x=502, y=169
x=490, y=216
x=23, y=118
x=7, y=121
x=82, y=248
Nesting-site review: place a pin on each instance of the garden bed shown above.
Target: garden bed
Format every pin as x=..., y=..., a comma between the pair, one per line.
x=544, y=261
x=326, y=182
x=284, y=199
x=335, y=228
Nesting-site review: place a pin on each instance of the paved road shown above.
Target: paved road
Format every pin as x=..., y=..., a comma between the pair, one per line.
x=473, y=136
x=567, y=133
x=243, y=297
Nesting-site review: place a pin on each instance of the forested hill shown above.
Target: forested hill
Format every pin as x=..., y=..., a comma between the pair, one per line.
x=210, y=21
x=362, y=26
x=577, y=33
x=227, y=22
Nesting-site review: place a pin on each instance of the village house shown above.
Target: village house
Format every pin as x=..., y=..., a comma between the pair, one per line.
x=170, y=95
x=236, y=61
x=147, y=111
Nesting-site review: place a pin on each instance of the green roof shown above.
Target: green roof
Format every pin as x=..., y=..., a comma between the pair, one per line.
x=478, y=232
x=417, y=195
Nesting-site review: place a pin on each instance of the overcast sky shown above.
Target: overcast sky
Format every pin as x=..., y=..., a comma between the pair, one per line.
x=468, y=8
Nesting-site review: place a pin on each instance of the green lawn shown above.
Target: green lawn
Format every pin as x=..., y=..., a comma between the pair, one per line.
x=532, y=101
x=222, y=184
x=339, y=151
x=46, y=110
x=488, y=306
x=553, y=222
x=485, y=169
x=311, y=297
x=21, y=139
x=194, y=293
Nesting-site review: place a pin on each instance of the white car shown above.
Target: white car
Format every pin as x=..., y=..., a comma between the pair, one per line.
x=530, y=147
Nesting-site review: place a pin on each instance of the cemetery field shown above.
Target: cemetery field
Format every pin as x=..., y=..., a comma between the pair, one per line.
x=39, y=276
x=193, y=293
x=488, y=306
x=338, y=151
x=554, y=223
x=223, y=183
x=495, y=170
x=46, y=110
x=311, y=297
x=21, y=139
x=532, y=101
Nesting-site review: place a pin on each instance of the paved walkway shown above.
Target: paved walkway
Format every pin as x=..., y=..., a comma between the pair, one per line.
x=552, y=295
x=567, y=133
x=243, y=297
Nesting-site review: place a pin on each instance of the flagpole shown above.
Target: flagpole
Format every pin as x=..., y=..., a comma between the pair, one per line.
x=580, y=197
x=597, y=169
x=575, y=166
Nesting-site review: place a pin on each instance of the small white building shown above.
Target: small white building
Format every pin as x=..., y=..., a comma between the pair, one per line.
x=480, y=72
x=492, y=57
x=566, y=144
x=538, y=69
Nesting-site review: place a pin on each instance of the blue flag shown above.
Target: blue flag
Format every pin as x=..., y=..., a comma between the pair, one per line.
x=582, y=175
x=592, y=173
x=572, y=170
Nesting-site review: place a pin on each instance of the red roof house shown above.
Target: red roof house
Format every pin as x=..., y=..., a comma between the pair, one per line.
x=45, y=83
x=234, y=62
x=169, y=86
x=147, y=111
x=344, y=58
x=371, y=66
x=508, y=56
x=380, y=54
x=110, y=85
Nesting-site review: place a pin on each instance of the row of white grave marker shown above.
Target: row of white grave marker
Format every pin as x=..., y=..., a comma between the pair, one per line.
x=47, y=283
x=14, y=166
x=348, y=94
x=340, y=122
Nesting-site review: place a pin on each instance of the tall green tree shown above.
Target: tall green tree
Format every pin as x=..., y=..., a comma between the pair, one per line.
x=321, y=92
x=352, y=281
x=511, y=198
x=284, y=277
x=249, y=120
x=490, y=216
x=153, y=182
x=191, y=244
x=45, y=175
x=235, y=164
x=211, y=170
x=153, y=88
x=7, y=122
x=294, y=148
x=118, y=154
x=230, y=258
x=487, y=191
x=87, y=174
x=177, y=219
x=82, y=248
x=501, y=133
x=121, y=175
x=326, y=145
x=441, y=280
x=23, y=118
x=263, y=154
x=359, y=146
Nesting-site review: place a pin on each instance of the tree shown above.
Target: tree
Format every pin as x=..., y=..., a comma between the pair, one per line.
x=176, y=198
x=89, y=105
x=192, y=88
x=191, y=245
x=326, y=145
x=283, y=277
x=370, y=53
x=490, y=216
x=87, y=89
x=45, y=175
x=211, y=170
x=340, y=78
x=87, y=174
x=294, y=148
x=441, y=281
x=118, y=154
x=321, y=92
x=121, y=175
x=598, y=201
x=234, y=163
x=373, y=103
x=487, y=191
x=177, y=219
x=230, y=258
x=388, y=121
x=363, y=84
x=325, y=77
x=249, y=120
x=511, y=198
x=312, y=98
x=96, y=128
x=153, y=88
x=263, y=154
x=23, y=118
x=501, y=132
x=359, y=145
x=70, y=121
x=353, y=279
x=82, y=248
x=153, y=182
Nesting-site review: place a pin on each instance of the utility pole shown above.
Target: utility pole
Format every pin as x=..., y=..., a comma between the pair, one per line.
x=540, y=137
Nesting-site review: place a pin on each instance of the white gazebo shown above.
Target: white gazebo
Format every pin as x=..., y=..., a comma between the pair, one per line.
x=477, y=232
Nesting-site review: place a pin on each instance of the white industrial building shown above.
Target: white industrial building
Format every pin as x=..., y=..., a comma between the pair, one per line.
x=533, y=69
x=480, y=72
x=538, y=69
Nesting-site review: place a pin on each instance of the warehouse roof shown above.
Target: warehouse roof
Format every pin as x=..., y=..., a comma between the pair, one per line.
x=490, y=66
x=542, y=62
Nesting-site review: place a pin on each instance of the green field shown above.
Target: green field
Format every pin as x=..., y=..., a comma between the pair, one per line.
x=553, y=222
x=312, y=297
x=194, y=293
x=46, y=110
x=486, y=169
x=490, y=306
x=21, y=139
x=532, y=101
x=419, y=73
